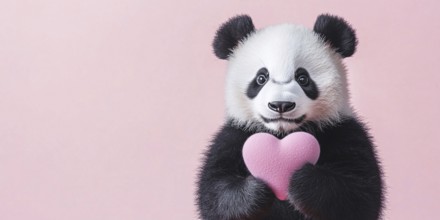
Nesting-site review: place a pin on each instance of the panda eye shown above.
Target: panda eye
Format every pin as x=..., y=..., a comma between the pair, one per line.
x=303, y=80
x=261, y=79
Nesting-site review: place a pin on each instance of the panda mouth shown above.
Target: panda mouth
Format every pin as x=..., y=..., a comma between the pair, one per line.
x=295, y=120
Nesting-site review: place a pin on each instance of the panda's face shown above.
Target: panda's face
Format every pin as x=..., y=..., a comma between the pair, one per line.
x=283, y=76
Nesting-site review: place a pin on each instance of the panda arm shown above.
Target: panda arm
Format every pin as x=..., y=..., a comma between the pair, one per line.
x=226, y=190
x=345, y=183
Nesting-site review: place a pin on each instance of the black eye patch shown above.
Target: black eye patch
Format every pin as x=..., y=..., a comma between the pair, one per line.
x=254, y=87
x=310, y=89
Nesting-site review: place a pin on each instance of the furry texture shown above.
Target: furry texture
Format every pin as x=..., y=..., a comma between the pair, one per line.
x=346, y=181
x=283, y=50
x=338, y=33
x=344, y=184
x=230, y=34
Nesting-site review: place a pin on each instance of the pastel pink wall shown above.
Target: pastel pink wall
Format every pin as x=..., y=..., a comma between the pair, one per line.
x=106, y=105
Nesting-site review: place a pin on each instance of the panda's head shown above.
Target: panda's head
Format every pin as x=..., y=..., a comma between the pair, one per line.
x=283, y=76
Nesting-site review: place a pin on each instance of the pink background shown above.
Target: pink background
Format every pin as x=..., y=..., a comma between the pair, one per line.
x=106, y=105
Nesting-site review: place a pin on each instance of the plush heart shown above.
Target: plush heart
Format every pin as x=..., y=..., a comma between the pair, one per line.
x=274, y=161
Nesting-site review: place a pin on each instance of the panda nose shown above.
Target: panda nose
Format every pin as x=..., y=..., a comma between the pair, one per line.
x=281, y=107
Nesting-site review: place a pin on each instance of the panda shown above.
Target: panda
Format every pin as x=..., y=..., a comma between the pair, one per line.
x=282, y=79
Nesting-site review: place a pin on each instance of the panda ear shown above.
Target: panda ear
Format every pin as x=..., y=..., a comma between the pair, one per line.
x=338, y=33
x=230, y=34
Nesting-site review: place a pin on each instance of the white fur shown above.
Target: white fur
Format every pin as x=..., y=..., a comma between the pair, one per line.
x=282, y=49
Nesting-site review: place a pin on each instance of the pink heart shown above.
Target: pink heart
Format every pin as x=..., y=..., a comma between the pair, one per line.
x=274, y=161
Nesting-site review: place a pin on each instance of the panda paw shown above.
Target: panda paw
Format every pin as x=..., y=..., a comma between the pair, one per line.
x=304, y=190
x=258, y=198
x=262, y=194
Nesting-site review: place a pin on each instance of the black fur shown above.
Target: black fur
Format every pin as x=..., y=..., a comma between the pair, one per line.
x=254, y=88
x=230, y=34
x=344, y=184
x=226, y=190
x=311, y=90
x=338, y=33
